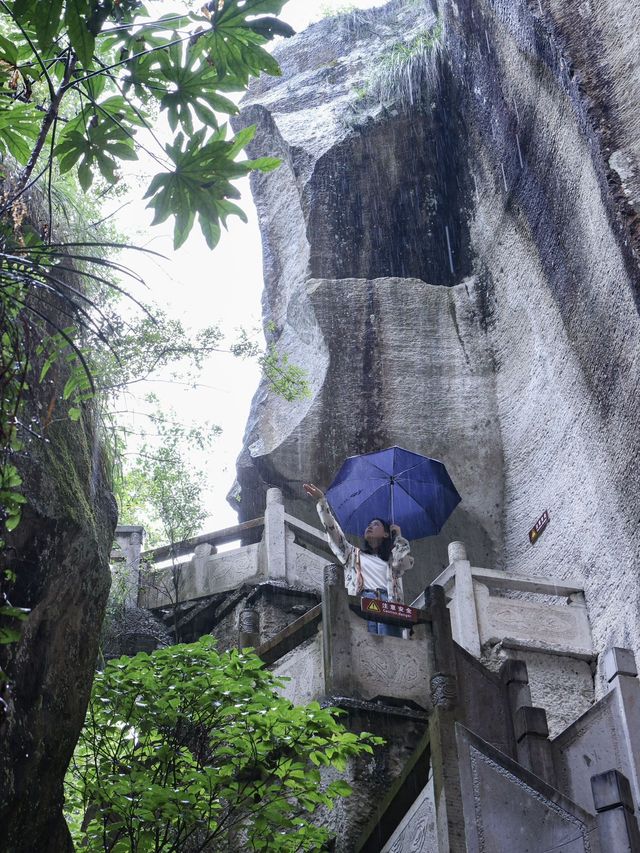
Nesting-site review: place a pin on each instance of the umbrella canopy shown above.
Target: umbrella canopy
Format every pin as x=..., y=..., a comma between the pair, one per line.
x=397, y=486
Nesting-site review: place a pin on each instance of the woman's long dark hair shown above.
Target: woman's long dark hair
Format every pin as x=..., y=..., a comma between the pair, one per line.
x=386, y=546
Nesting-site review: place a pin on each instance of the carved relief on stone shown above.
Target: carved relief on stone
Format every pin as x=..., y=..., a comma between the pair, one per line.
x=481, y=802
x=532, y=623
x=249, y=621
x=443, y=691
x=417, y=831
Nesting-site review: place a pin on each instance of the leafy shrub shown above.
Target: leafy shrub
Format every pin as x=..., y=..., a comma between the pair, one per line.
x=189, y=749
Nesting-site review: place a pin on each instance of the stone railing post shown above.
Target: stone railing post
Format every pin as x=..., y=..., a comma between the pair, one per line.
x=464, y=614
x=129, y=538
x=249, y=628
x=533, y=745
x=621, y=677
x=442, y=735
x=201, y=555
x=617, y=825
x=514, y=676
x=336, y=633
x=274, y=537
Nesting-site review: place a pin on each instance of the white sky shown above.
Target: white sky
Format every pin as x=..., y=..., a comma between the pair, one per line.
x=221, y=287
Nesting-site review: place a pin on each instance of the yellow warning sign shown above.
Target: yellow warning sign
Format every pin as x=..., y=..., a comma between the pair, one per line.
x=373, y=606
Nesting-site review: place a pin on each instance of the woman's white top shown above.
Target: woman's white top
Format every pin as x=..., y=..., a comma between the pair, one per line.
x=374, y=571
x=366, y=571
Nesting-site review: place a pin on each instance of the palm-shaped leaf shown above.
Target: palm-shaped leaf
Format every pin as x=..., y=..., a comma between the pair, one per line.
x=200, y=184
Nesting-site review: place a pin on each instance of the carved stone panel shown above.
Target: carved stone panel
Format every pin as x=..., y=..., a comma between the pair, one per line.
x=509, y=810
x=390, y=666
x=304, y=568
x=303, y=666
x=417, y=831
x=532, y=623
x=220, y=573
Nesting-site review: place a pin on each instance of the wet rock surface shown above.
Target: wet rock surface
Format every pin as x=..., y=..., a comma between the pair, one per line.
x=509, y=352
x=60, y=553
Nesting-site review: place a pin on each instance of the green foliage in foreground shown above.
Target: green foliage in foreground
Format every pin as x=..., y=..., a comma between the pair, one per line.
x=189, y=749
x=82, y=80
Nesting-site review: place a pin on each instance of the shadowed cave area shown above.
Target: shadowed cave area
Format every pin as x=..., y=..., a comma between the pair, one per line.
x=392, y=199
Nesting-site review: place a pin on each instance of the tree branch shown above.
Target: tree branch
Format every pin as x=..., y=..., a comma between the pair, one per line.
x=50, y=116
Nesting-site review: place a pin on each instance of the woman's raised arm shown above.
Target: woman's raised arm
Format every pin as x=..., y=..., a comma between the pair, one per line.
x=338, y=542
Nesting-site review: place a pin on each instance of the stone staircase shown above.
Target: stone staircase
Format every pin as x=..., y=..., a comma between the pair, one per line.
x=497, y=739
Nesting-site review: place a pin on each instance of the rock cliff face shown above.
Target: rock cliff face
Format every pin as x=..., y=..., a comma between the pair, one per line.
x=60, y=554
x=451, y=250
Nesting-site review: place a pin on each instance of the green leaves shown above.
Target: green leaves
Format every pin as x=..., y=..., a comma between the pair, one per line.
x=8, y=51
x=47, y=22
x=183, y=64
x=200, y=184
x=209, y=746
x=192, y=90
x=19, y=127
x=98, y=137
x=237, y=34
x=76, y=17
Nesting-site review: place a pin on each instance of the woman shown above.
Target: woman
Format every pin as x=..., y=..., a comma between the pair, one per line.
x=374, y=571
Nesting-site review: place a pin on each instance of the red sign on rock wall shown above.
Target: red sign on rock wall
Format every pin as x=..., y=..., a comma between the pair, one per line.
x=538, y=527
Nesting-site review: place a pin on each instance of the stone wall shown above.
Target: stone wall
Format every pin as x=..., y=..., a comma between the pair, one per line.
x=513, y=358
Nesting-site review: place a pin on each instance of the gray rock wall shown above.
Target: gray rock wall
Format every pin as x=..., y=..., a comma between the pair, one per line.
x=60, y=554
x=564, y=321
x=508, y=351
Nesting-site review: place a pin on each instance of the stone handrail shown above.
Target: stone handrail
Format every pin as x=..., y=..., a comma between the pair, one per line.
x=294, y=634
x=522, y=621
x=188, y=546
x=317, y=537
x=495, y=579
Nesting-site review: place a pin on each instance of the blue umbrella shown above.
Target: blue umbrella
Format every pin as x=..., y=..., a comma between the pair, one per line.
x=395, y=485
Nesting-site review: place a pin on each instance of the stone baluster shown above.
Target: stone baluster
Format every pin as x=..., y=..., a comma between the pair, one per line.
x=201, y=555
x=515, y=677
x=274, y=537
x=515, y=680
x=129, y=538
x=617, y=825
x=533, y=745
x=464, y=615
x=336, y=633
x=442, y=720
x=443, y=680
x=249, y=628
x=621, y=678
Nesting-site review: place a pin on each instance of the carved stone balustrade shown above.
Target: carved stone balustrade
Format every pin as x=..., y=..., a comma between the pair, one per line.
x=522, y=613
x=290, y=553
x=342, y=660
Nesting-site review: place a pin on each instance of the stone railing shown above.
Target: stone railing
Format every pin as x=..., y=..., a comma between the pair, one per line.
x=343, y=660
x=276, y=548
x=521, y=613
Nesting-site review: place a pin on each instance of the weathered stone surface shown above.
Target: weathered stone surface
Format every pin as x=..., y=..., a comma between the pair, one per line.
x=606, y=737
x=371, y=776
x=562, y=685
x=519, y=369
x=130, y=630
x=417, y=832
x=509, y=810
x=60, y=553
